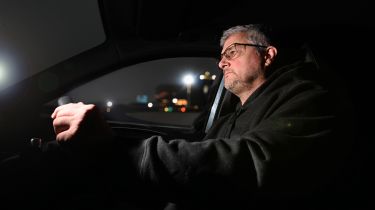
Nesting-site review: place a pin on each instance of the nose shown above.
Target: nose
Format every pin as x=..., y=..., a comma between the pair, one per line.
x=223, y=63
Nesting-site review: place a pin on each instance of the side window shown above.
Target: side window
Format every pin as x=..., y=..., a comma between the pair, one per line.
x=171, y=91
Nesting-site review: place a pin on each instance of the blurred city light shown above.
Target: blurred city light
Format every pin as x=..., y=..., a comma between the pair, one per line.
x=188, y=79
x=109, y=105
x=207, y=76
x=143, y=99
x=168, y=109
x=174, y=100
x=150, y=105
x=2, y=73
x=181, y=102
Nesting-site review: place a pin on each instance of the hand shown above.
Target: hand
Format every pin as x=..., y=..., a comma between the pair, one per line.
x=78, y=121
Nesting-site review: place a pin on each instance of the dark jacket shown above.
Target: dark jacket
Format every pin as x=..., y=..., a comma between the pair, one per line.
x=282, y=147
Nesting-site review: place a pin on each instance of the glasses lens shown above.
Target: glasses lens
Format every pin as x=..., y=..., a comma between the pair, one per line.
x=231, y=52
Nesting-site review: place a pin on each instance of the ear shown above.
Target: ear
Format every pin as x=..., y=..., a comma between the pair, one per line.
x=270, y=55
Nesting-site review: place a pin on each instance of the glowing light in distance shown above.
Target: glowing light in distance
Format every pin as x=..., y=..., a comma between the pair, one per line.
x=174, y=100
x=2, y=73
x=150, y=105
x=188, y=79
x=109, y=104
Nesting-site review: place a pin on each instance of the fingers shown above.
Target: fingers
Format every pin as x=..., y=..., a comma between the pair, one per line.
x=67, y=113
x=58, y=109
x=71, y=109
x=61, y=124
x=66, y=135
x=78, y=119
x=68, y=119
x=66, y=127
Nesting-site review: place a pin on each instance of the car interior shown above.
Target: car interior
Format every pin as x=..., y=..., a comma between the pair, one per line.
x=329, y=35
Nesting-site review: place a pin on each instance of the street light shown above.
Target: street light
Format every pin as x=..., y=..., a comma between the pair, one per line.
x=109, y=105
x=188, y=81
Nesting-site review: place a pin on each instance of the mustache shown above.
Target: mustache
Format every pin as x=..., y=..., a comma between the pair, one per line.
x=227, y=71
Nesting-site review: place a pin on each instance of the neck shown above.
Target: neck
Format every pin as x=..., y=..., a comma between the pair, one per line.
x=246, y=94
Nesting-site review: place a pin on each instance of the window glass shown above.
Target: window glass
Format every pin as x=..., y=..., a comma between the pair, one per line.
x=35, y=35
x=170, y=91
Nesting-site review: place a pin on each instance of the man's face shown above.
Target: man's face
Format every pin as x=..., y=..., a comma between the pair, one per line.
x=245, y=70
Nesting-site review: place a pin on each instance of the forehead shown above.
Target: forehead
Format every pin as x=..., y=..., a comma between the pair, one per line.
x=235, y=38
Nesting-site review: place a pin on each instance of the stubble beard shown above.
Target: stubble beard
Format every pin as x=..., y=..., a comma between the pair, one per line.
x=233, y=86
x=237, y=86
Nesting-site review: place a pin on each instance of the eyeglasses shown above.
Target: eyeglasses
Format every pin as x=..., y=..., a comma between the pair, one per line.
x=231, y=51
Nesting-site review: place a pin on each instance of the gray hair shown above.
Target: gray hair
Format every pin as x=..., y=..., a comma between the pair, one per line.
x=255, y=33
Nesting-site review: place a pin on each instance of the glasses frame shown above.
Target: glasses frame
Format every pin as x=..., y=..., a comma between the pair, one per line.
x=224, y=54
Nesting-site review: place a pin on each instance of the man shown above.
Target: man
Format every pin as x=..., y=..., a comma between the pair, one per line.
x=277, y=149
x=277, y=146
